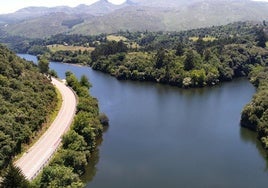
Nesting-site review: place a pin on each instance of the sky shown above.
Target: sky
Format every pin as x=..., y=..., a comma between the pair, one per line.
x=10, y=6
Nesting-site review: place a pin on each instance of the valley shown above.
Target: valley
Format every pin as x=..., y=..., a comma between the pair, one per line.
x=183, y=86
x=133, y=15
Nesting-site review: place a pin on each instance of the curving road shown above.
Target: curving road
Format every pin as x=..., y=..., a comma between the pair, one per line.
x=33, y=161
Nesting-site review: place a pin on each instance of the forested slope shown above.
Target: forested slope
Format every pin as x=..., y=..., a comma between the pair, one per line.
x=26, y=99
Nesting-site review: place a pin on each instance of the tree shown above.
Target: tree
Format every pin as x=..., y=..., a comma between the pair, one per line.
x=59, y=176
x=179, y=49
x=72, y=80
x=43, y=65
x=53, y=73
x=261, y=38
x=89, y=105
x=198, y=77
x=109, y=48
x=121, y=47
x=200, y=45
x=14, y=178
x=73, y=159
x=74, y=141
x=85, y=82
x=189, y=60
x=81, y=120
x=207, y=55
x=104, y=119
x=160, y=58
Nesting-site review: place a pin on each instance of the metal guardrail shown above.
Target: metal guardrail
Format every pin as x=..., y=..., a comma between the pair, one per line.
x=52, y=149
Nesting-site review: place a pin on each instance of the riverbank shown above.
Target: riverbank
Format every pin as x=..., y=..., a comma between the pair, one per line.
x=255, y=114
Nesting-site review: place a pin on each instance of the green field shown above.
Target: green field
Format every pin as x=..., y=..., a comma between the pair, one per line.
x=116, y=38
x=124, y=39
x=60, y=47
x=206, y=39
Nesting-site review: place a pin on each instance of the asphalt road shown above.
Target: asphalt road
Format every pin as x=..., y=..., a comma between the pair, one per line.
x=33, y=161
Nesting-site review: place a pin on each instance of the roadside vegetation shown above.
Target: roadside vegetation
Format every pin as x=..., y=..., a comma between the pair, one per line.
x=25, y=109
x=78, y=143
x=27, y=100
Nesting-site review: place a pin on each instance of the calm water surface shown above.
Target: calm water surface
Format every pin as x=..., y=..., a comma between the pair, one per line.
x=165, y=137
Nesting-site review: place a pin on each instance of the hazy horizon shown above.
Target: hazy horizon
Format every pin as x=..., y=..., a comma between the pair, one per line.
x=12, y=6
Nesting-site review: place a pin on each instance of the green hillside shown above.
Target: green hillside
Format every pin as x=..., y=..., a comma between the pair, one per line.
x=144, y=16
x=26, y=100
x=202, y=14
x=43, y=26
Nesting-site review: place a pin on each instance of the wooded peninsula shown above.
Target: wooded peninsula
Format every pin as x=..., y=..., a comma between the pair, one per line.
x=188, y=59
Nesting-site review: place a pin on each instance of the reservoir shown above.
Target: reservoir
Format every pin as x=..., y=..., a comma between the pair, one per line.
x=165, y=137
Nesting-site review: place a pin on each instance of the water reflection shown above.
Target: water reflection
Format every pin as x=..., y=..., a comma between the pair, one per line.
x=249, y=136
x=91, y=168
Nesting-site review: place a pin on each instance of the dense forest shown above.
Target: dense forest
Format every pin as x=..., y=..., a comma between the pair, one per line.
x=26, y=98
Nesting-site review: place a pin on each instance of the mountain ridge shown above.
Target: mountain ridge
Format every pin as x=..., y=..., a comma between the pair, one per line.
x=133, y=15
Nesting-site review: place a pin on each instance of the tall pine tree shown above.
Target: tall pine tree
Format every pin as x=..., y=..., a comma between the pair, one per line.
x=14, y=178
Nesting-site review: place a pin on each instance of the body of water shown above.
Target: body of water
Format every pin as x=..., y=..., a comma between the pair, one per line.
x=165, y=137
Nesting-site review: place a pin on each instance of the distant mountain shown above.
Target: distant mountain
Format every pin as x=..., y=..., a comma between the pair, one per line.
x=164, y=3
x=100, y=8
x=132, y=18
x=200, y=14
x=32, y=12
x=43, y=26
x=133, y=15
